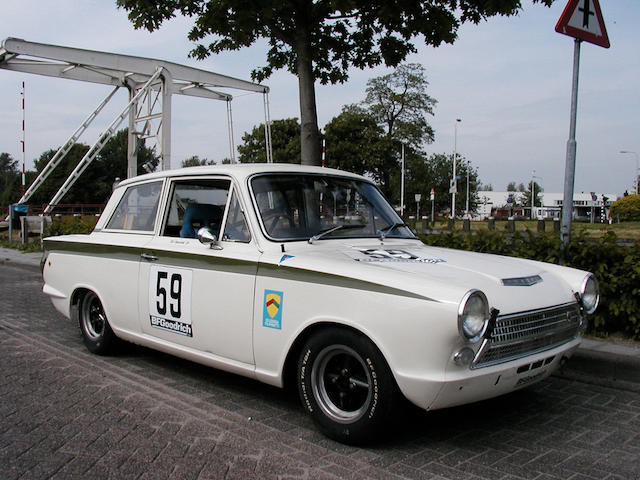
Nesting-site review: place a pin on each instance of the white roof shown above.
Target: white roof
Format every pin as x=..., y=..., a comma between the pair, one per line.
x=242, y=170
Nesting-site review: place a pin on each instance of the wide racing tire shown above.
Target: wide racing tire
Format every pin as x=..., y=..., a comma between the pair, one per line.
x=346, y=386
x=96, y=331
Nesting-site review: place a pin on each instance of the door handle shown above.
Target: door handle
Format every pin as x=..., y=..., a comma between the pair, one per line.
x=148, y=256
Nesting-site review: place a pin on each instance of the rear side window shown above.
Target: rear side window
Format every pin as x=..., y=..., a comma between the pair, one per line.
x=137, y=208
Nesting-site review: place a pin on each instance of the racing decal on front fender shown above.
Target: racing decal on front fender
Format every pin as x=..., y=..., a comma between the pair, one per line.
x=272, y=311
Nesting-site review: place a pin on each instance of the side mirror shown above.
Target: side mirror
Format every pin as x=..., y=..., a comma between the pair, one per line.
x=206, y=237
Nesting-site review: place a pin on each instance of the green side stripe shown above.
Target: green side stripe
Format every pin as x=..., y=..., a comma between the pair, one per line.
x=319, y=278
x=231, y=265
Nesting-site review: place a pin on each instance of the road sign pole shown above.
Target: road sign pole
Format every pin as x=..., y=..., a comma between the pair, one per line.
x=570, y=164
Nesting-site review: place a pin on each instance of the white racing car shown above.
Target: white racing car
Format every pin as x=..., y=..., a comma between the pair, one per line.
x=305, y=274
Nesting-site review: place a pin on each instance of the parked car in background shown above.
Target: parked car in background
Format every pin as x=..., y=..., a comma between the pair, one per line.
x=306, y=275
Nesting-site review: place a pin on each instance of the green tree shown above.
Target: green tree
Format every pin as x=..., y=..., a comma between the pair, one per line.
x=511, y=187
x=526, y=197
x=196, y=161
x=319, y=40
x=626, y=208
x=9, y=180
x=424, y=173
x=285, y=143
x=354, y=141
x=399, y=104
x=57, y=177
x=95, y=184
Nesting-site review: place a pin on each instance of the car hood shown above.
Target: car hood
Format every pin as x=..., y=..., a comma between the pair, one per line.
x=438, y=274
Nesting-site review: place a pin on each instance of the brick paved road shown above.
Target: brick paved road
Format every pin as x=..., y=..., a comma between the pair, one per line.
x=67, y=414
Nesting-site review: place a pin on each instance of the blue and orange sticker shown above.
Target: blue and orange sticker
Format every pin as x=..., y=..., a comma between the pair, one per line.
x=272, y=311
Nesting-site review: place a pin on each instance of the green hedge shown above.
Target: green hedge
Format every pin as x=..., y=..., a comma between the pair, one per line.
x=70, y=225
x=616, y=266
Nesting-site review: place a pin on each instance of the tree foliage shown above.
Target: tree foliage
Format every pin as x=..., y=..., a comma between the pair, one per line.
x=626, y=208
x=9, y=179
x=354, y=142
x=196, y=161
x=399, y=102
x=96, y=183
x=424, y=173
x=319, y=39
x=285, y=143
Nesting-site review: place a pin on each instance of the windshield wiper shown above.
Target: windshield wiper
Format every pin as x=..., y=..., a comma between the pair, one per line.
x=318, y=236
x=383, y=232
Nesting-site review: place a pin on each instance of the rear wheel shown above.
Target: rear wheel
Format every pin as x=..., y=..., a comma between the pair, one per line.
x=96, y=332
x=345, y=384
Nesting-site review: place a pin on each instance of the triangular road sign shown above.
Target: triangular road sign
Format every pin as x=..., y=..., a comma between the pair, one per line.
x=582, y=19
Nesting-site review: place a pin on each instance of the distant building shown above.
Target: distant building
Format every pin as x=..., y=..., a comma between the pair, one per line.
x=506, y=204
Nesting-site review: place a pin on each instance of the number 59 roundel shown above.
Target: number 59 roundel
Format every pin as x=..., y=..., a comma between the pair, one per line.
x=170, y=299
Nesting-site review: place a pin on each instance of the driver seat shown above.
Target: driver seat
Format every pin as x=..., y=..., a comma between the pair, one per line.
x=198, y=215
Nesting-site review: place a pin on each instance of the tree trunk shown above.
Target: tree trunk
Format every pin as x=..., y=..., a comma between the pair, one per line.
x=310, y=151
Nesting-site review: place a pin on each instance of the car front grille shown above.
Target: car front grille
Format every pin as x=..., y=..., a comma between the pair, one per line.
x=521, y=334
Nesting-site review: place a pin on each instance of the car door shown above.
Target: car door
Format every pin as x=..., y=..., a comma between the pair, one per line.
x=195, y=295
x=112, y=260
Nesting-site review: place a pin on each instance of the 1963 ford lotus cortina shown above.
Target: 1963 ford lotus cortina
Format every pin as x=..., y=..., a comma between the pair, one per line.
x=282, y=272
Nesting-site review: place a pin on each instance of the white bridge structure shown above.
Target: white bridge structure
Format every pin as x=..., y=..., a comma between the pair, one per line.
x=151, y=84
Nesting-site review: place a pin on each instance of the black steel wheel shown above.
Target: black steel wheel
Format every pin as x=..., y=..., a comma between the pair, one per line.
x=345, y=384
x=96, y=332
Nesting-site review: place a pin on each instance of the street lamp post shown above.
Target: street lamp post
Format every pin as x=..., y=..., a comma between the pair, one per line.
x=454, y=182
x=637, y=173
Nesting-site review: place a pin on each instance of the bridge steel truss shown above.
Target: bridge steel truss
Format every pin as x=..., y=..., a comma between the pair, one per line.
x=151, y=84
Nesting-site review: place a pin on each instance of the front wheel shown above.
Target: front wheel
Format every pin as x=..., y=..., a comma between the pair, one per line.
x=96, y=332
x=345, y=384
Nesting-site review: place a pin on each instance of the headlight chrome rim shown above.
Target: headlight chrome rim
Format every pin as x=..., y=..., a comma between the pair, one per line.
x=486, y=314
x=590, y=307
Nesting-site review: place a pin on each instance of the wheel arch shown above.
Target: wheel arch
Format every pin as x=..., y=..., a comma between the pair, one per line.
x=74, y=300
x=291, y=360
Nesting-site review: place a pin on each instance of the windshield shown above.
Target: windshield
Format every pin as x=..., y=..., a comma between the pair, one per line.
x=299, y=207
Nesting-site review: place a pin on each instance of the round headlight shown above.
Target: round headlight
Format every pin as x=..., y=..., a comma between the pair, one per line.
x=473, y=315
x=590, y=294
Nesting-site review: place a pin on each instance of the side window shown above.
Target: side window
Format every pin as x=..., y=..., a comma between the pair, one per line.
x=236, y=229
x=194, y=204
x=137, y=208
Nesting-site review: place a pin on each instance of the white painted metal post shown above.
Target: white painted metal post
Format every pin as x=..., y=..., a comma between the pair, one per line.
x=132, y=137
x=570, y=164
x=232, y=143
x=167, y=90
x=267, y=127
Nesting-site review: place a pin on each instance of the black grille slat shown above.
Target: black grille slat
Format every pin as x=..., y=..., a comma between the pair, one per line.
x=516, y=336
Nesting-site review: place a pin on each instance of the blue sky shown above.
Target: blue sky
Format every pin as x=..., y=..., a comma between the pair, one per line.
x=508, y=79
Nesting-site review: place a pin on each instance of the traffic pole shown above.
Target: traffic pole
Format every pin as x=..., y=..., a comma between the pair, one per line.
x=570, y=164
